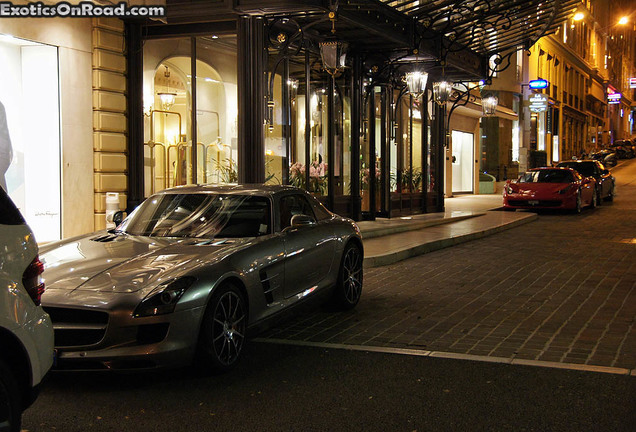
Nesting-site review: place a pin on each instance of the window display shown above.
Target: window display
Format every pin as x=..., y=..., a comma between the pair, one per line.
x=30, y=133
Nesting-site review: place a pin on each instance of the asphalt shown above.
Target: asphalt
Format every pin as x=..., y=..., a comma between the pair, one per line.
x=466, y=218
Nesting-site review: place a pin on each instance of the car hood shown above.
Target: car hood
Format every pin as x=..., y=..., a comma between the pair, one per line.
x=532, y=188
x=120, y=263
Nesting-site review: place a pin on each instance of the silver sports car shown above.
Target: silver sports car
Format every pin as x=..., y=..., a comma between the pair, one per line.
x=190, y=270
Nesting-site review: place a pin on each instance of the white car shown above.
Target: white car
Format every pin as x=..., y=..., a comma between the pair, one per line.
x=26, y=331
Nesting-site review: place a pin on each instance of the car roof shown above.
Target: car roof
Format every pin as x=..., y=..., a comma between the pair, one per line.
x=551, y=168
x=231, y=189
x=579, y=162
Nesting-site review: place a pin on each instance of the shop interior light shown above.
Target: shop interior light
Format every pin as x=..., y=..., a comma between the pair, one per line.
x=167, y=100
x=623, y=20
x=442, y=91
x=416, y=82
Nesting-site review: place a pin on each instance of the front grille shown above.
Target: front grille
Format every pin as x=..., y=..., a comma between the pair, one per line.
x=77, y=327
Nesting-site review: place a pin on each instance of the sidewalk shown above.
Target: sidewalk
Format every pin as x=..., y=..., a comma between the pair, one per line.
x=467, y=217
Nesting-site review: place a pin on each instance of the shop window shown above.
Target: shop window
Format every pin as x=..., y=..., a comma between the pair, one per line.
x=173, y=117
x=30, y=142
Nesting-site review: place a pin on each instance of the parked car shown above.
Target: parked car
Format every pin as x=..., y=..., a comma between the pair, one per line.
x=623, y=149
x=191, y=270
x=26, y=332
x=556, y=188
x=606, y=157
x=605, y=181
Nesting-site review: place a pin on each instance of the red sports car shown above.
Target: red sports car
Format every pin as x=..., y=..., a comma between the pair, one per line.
x=557, y=188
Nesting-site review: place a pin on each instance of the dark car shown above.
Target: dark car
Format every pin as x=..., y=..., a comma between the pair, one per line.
x=623, y=149
x=605, y=182
x=606, y=157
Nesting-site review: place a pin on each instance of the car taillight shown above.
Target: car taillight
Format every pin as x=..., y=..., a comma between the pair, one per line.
x=32, y=280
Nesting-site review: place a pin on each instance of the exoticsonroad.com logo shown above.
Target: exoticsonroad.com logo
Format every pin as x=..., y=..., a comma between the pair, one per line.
x=81, y=10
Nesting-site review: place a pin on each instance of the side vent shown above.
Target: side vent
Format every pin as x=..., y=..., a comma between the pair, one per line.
x=267, y=288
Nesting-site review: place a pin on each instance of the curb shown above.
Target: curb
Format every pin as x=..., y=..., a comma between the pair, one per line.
x=455, y=356
x=392, y=258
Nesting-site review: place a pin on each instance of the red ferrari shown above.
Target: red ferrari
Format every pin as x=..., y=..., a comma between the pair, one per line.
x=556, y=188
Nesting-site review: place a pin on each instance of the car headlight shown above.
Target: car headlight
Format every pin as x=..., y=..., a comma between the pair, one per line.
x=163, y=298
x=509, y=189
x=565, y=190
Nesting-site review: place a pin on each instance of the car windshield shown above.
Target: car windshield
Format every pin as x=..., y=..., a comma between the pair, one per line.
x=201, y=215
x=547, y=176
x=586, y=169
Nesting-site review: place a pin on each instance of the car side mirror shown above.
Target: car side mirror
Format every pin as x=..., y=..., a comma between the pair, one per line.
x=302, y=220
x=118, y=217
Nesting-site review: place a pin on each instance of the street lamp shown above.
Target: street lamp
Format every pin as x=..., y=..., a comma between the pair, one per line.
x=623, y=20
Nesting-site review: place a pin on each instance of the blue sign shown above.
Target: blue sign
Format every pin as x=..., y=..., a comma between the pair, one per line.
x=538, y=84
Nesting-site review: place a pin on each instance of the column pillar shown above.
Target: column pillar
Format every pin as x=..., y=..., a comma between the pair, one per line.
x=251, y=99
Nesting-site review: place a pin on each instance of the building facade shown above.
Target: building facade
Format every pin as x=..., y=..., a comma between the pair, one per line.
x=246, y=91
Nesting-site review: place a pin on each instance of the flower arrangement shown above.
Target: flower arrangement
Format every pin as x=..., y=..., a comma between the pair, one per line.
x=317, y=176
x=365, y=176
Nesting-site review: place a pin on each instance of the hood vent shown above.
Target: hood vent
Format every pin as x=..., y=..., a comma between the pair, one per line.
x=105, y=238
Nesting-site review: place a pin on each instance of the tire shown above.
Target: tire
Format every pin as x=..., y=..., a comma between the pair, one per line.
x=594, y=202
x=610, y=195
x=348, y=290
x=578, y=206
x=223, y=329
x=10, y=410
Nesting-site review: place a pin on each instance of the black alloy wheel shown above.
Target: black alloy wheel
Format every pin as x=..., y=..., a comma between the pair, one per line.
x=10, y=415
x=223, y=330
x=349, y=286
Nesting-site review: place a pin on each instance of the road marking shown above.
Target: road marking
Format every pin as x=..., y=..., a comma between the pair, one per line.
x=455, y=356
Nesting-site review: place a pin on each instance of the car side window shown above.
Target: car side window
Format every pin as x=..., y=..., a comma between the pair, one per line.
x=292, y=205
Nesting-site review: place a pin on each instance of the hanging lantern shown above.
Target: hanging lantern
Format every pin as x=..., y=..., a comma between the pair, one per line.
x=333, y=56
x=416, y=82
x=167, y=100
x=489, y=105
x=442, y=91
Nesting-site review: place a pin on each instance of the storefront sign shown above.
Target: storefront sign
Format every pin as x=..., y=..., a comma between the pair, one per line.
x=538, y=102
x=538, y=84
x=632, y=83
x=614, y=98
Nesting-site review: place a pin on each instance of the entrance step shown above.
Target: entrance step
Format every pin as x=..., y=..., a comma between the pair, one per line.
x=387, y=249
x=383, y=227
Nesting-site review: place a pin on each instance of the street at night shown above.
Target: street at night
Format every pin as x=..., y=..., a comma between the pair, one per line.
x=318, y=215
x=557, y=290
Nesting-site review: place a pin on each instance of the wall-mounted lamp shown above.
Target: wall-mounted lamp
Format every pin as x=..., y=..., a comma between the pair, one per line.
x=489, y=105
x=333, y=55
x=442, y=91
x=416, y=82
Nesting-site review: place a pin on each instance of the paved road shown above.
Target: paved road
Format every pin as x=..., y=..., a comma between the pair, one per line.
x=561, y=289
x=304, y=389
